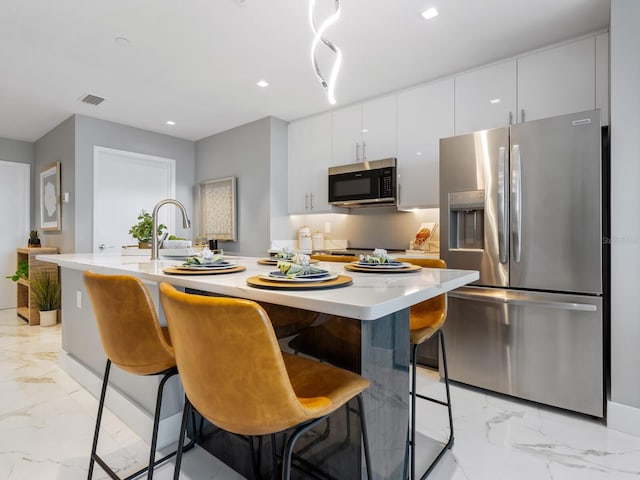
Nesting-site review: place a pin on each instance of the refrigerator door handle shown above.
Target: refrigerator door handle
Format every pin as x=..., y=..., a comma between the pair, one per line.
x=502, y=204
x=582, y=307
x=516, y=203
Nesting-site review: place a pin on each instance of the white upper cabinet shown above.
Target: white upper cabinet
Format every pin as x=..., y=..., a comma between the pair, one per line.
x=602, y=76
x=299, y=149
x=557, y=81
x=379, y=128
x=318, y=168
x=308, y=164
x=347, y=135
x=425, y=114
x=365, y=131
x=485, y=98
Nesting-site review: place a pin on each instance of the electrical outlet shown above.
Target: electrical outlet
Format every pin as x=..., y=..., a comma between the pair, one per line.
x=78, y=299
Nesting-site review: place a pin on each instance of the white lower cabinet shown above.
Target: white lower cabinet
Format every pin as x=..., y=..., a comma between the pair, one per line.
x=425, y=114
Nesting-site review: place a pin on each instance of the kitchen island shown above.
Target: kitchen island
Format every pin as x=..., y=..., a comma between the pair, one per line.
x=378, y=304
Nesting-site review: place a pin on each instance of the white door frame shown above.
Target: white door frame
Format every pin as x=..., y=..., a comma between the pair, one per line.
x=20, y=237
x=168, y=164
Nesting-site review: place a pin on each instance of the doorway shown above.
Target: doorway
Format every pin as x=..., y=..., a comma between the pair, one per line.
x=15, y=192
x=124, y=183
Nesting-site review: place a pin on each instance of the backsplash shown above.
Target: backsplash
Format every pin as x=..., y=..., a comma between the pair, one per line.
x=381, y=227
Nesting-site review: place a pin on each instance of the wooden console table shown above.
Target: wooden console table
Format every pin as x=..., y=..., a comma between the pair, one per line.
x=26, y=305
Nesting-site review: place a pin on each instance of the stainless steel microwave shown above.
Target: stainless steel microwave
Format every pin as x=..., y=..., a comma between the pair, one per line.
x=363, y=184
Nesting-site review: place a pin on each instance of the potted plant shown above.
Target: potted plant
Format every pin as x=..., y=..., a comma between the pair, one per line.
x=142, y=231
x=34, y=241
x=21, y=272
x=46, y=293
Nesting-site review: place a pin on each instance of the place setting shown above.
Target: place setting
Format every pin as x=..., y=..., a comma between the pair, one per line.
x=284, y=255
x=381, y=262
x=298, y=274
x=204, y=264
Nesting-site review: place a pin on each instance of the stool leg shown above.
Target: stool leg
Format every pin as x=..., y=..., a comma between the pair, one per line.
x=412, y=438
x=103, y=394
x=183, y=430
x=156, y=423
x=365, y=435
x=288, y=448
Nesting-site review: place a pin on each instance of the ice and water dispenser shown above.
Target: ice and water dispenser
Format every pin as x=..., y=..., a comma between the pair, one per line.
x=466, y=220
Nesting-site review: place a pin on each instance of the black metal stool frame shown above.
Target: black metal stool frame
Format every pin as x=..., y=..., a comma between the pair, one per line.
x=95, y=458
x=447, y=404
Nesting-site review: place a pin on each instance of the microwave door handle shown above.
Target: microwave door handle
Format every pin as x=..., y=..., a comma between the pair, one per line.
x=516, y=203
x=502, y=204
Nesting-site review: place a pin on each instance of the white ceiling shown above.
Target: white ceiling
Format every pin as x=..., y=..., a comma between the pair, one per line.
x=197, y=62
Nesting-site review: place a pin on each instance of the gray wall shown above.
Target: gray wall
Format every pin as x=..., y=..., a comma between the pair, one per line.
x=92, y=132
x=625, y=197
x=58, y=146
x=243, y=152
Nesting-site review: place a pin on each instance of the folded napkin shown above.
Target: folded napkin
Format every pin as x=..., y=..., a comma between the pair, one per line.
x=204, y=261
x=292, y=270
x=379, y=256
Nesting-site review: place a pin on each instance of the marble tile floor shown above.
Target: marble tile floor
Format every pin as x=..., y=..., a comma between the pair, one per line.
x=47, y=420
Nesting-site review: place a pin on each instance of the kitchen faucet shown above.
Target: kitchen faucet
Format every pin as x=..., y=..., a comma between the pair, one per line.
x=186, y=223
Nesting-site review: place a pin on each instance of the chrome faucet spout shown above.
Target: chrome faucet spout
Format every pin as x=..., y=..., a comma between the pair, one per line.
x=186, y=223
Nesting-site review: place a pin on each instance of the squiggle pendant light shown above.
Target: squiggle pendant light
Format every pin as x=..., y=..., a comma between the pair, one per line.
x=318, y=32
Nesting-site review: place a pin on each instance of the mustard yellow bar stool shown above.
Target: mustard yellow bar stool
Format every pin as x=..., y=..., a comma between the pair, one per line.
x=426, y=320
x=132, y=339
x=235, y=375
x=334, y=258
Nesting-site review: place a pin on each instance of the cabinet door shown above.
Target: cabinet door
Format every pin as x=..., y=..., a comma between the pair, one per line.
x=320, y=160
x=602, y=77
x=485, y=98
x=425, y=114
x=347, y=135
x=557, y=81
x=297, y=174
x=379, y=129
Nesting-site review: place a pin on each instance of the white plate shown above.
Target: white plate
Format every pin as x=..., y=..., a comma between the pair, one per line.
x=382, y=266
x=215, y=266
x=329, y=276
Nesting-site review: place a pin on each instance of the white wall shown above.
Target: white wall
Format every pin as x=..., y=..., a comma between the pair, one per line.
x=624, y=408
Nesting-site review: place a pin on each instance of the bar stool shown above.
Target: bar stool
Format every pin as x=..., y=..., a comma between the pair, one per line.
x=132, y=339
x=235, y=375
x=426, y=320
x=334, y=258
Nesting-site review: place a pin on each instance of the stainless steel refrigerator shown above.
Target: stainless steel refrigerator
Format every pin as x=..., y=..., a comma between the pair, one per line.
x=524, y=205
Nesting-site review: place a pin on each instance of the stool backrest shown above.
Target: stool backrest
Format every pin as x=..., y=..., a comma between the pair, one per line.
x=128, y=324
x=335, y=258
x=230, y=363
x=432, y=312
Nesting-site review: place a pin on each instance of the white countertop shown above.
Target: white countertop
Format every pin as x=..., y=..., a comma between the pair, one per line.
x=371, y=296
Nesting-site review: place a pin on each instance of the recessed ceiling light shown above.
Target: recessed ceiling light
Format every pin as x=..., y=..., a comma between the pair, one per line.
x=262, y=84
x=430, y=13
x=418, y=153
x=365, y=130
x=494, y=100
x=171, y=122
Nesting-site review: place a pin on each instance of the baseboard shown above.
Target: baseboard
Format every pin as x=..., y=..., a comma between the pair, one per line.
x=136, y=418
x=623, y=418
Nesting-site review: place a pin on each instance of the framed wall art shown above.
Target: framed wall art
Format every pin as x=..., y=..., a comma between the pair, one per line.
x=218, y=209
x=50, y=198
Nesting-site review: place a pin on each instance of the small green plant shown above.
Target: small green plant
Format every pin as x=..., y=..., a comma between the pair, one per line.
x=46, y=292
x=21, y=272
x=142, y=231
x=34, y=240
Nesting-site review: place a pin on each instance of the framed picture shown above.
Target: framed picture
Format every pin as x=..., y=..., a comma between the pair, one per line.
x=218, y=209
x=50, y=198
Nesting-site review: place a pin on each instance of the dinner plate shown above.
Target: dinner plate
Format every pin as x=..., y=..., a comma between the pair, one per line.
x=213, y=266
x=382, y=265
x=274, y=261
x=313, y=277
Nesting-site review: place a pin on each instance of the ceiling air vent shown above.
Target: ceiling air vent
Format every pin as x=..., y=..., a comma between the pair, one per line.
x=92, y=99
